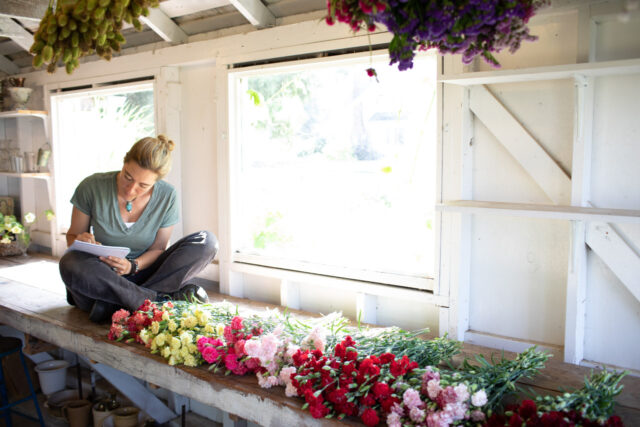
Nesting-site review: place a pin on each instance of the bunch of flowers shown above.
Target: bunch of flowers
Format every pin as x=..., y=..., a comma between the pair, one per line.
x=229, y=352
x=438, y=403
x=468, y=27
x=171, y=330
x=127, y=326
x=345, y=385
x=528, y=414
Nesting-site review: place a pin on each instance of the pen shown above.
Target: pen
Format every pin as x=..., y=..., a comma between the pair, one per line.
x=91, y=229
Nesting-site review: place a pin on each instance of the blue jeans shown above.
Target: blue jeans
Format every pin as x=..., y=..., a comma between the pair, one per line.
x=88, y=279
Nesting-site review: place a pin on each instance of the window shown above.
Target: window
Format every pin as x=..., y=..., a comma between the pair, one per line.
x=93, y=130
x=334, y=171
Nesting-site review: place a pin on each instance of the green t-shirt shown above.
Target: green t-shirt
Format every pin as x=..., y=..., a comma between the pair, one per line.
x=97, y=197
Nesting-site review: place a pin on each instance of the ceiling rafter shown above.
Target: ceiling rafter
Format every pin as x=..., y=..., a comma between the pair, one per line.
x=8, y=66
x=13, y=30
x=32, y=10
x=164, y=26
x=255, y=12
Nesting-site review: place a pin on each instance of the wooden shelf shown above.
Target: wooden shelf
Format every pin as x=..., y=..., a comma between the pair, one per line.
x=554, y=72
x=541, y=211
x=23, y=113
x=36, y=175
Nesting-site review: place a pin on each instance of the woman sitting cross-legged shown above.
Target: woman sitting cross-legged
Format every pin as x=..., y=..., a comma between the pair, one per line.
x=134, y=208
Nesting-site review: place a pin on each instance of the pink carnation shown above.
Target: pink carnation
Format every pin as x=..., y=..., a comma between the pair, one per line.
x=285, y=374
x=462, y=392
x=394, y=420
x=268, y=381
x=236, y=323
x=416, y=414
x=477, y=416
x=433, y=389
x=120, y=315
x=210, y=354
x=411, y=399
x=450, y=395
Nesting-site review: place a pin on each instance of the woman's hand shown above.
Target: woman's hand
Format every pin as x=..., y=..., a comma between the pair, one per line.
x=87, y=237
x=121, y=266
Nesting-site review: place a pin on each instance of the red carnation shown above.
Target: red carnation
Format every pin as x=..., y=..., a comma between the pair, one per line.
x=614, y=421
x=367, y=400
x=387, y=358
x=370, y=417
x=515, y=421
x=318, y=411
x=381, y=390
x=527, y=409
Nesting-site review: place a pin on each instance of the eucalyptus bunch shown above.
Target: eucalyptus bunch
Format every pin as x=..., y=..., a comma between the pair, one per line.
x=75, y=28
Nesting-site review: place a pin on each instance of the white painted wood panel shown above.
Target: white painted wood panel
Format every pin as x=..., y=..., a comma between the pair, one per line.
x=620, y=258
x=519, y=271
x=520, y=144
x=556, y=45
x=613, y=320
x=617, y=40
x=199, y=154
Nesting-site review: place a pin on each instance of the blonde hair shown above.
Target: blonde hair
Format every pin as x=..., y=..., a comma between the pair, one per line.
x=153, y=154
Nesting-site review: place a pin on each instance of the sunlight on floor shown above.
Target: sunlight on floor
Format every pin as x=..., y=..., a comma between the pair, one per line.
x=40, y=274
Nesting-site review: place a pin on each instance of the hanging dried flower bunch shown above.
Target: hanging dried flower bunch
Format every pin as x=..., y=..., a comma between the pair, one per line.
x=75, y=28
x=467, y=27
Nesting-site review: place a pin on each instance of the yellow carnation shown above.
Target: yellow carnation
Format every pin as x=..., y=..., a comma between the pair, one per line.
x=219, y=330
x=155, y=327
x=166, y=316
x=189, y=360
x=159, y=340
x=172, y=325
x=186, y=338
x=175, y=343
x=209, y=329
x=166, y=352
x=189, y=322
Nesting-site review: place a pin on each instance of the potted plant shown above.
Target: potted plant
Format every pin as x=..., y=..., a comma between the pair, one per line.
x=15, y=237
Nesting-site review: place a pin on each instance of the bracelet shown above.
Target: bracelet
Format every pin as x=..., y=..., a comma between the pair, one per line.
x=134, y=266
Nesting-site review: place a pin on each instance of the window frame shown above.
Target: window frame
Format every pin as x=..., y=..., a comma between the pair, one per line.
x=77, y=89
x=232, y=261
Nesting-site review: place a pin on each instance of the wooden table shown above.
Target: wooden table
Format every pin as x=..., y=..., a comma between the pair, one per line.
x=32, y=300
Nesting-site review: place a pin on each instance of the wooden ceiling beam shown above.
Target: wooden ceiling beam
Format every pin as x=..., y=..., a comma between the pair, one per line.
x=255, y=12
x=32, y=10
x=162, y=25
x=7, y=66
x=13, y=30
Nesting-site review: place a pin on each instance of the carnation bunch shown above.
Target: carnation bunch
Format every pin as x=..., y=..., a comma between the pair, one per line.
x=229, y=352
x=438, y=403
x=527, y=413
x=343, y=384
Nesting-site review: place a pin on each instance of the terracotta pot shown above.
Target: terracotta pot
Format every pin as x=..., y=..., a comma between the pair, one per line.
x=126, y=416
x=77, y=412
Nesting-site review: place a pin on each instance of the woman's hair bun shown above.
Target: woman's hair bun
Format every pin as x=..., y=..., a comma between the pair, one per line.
x=166, y=141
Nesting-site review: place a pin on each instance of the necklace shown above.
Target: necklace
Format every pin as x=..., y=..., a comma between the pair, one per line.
x=128, y=206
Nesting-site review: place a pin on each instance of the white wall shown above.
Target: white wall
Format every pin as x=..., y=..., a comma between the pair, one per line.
x=518, y=267
x=515, y=268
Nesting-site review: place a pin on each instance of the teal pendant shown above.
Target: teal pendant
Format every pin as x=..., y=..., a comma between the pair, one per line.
x=128, y=206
